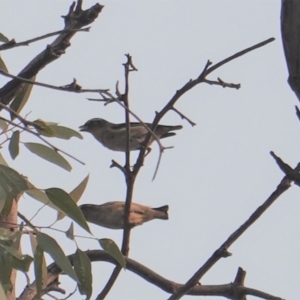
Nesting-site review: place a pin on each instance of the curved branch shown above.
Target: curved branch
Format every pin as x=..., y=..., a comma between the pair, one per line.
x=225, y=290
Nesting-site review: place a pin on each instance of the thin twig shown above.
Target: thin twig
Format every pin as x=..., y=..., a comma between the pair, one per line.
x=65, y=88
x=12, y=43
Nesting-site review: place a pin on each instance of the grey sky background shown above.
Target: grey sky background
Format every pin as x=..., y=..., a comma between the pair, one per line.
x=218, y=172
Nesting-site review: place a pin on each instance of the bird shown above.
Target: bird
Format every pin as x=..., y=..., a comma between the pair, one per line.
x=113, y=136
x=111, y=214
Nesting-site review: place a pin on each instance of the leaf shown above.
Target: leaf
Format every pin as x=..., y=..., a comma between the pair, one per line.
x=43, y=129
x=63, y=201
x=15, y=259
x=41, y=265
x=70, y=232
x=38, y=270
x=5, y=272
x=49, y=245
x=41, y=196
x=21, y=98
x=49, y=154
x=3, y=38
x=2, y=293
x=7, y=235
x=14, y=144
x=65, y=133
x=111, y=248
x=76, y=194
x=2, y=161
x=83, y=269
x=3, y=66
x=3, y=124
x=11, y=184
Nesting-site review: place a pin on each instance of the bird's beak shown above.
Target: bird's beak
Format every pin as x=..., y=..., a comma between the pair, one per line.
x=83, y=128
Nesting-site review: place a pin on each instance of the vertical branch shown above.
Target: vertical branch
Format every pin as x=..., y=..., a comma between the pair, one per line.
x=130, y=179
x=129, y=176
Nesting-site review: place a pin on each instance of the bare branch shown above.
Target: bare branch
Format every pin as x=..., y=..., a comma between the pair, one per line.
x=12, y=43
x=76, y=19
x=188, y=86
x=72, y=87
x=222, y=250
x=225, y=290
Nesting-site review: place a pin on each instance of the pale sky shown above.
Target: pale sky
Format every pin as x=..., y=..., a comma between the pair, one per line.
x=218, y=172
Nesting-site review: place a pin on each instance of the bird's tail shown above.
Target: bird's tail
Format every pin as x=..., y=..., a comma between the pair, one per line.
x=176, y=127
x=162, y=212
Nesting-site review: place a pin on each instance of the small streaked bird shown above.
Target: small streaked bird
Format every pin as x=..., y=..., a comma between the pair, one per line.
x=113, y=136
x=111, y=214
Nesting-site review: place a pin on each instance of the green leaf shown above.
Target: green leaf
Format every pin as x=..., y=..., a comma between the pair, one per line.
x=43, y=129
x=83, y=269
x=3, y=124
x=3, y=66
x=2, y=161
x=21, y=98
x=15, y=259
x=40, y=265
x=76, y=194
x=3, y=38
x=49, y=245
x=70, y=232
x=41, y=196
x=13, y=146
x=65, y=133
x=111, y=248
x=11, y=184
x=7, y=235
x=5, y=272
x=49, y=154
x=63, y=201
x=2, y=293
x=38, y=270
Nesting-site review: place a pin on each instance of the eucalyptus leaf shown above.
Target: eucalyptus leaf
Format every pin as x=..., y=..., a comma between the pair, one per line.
x=49, y=154
x=3, y=38
x=63, y=201
x=43, y=129
x=38, y=270
x=41, y=196
x=43, y=266
x=22, y=97
x=65, y=133
x=3, y=66
x=83, y=269
x=13, y=146
x=7, y=235
x=70, y=232
x=15, y=259
x=2, y=161
x=2, y=293
x=5, y=272
x=111, y=248
x=76, y=194
x=3, y=124
x=49, y=245
x=11, y=183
